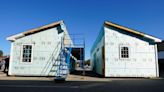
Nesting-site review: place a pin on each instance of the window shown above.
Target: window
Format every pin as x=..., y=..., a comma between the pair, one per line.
x=124, y=53
x=27, y=53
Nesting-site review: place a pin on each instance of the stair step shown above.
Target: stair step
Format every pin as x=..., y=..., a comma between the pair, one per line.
x=64, y=69
x=55, y=65
x=60, y=65
x=53, y=70
x=59, y=70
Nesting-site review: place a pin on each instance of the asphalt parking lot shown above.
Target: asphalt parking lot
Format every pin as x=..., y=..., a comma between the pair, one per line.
x=113, y=85
x=79, y=83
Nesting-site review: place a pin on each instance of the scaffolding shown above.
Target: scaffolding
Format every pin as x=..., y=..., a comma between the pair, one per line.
x=77, y=51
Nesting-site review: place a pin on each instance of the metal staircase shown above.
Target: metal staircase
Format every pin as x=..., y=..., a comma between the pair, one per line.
x=59, y=67
x=49, y=65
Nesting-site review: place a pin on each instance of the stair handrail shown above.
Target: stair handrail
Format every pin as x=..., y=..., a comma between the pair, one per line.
x=49, y=61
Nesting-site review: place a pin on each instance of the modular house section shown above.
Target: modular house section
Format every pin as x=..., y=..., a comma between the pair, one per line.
x=33, y=51
x=123, y=52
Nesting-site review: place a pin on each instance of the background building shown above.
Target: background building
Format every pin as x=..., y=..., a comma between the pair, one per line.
x=161, y=57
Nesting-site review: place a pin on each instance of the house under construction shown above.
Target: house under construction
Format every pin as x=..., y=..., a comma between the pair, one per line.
x=123, y=52
x=44, y=51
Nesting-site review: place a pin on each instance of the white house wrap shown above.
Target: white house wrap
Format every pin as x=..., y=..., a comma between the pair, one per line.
x=33, y=51
x=122, y=52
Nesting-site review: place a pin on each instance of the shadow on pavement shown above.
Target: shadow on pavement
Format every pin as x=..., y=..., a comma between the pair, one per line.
x=87, y=73
x=46, y=83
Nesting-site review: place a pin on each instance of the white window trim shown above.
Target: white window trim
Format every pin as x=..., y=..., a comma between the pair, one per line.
x=31, y=54
x=124, y=45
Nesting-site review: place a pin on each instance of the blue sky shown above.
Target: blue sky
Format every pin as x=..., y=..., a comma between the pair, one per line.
x=80, y=16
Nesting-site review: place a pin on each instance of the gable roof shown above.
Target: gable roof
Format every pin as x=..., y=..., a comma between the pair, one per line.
x=107, y=23
x=35, y=30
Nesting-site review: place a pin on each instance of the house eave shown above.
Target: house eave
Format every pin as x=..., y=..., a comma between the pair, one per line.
x=154, y=38
x=132, y=31
x=35, y=30
x=14, y=37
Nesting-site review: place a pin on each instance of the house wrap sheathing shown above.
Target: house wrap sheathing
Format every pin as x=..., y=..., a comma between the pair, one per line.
x=33, y=51
x=123, y=52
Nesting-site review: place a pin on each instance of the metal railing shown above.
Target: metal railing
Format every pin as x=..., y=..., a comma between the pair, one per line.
x=50, y=60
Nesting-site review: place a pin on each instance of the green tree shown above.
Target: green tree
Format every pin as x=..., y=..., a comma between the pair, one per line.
x=1, y=53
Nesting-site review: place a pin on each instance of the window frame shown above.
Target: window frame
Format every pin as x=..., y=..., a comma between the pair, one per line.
x=120, y=54
x=31, y=53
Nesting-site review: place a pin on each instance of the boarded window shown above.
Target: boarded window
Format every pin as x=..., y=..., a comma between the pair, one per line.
x=27, y=53
x=124, y=52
